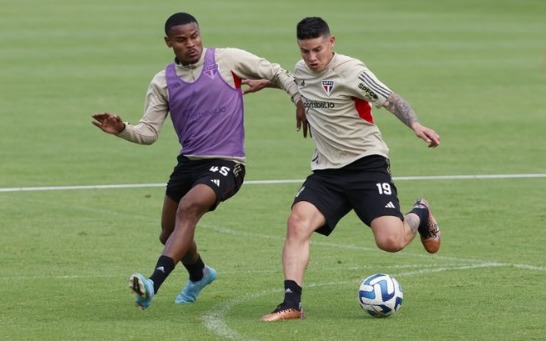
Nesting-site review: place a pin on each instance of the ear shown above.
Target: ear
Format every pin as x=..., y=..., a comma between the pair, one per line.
x=332, y=40
x=167, y=41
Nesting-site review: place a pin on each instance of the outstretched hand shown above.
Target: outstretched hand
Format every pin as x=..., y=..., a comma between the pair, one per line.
x=255, y=85
x=109, y=123
x=426, y=134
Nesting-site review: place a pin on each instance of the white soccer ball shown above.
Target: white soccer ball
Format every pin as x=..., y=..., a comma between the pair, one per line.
x=380, y=295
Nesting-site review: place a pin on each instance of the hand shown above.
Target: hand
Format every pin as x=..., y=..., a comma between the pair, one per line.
x=255, y=85
x=109, y=123
x=426, y=134
x=301, y=119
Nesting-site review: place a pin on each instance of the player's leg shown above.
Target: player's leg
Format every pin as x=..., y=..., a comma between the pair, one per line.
x=391, y=233
x=168, y=218
x=190, y=209
x=304, y=219
x=192, y=259
x=181, y=182
x=390, y=236
x=144, y=287
x=179, y=186
x=181, y=244
x=318, y=206
x=200, y=275
x=225, y=178
x=430, y=232
x=374, y=198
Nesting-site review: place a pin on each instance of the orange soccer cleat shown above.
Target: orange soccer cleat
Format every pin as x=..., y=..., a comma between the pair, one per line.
x=283, y=312
x=430, y=238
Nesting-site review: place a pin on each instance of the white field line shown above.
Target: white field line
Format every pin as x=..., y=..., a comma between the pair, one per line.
x=287, y=181
x=455, y=262
x=215, y=318
x=322, y=243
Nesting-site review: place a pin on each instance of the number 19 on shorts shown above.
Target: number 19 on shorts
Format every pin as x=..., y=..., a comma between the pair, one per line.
x=384, y=188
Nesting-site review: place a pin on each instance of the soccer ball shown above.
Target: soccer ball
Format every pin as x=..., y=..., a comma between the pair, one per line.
x=380, y=295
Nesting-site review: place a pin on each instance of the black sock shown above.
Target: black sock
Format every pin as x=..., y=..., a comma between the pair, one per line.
x=292, y=294
x=163, y=268
x=422, y=212
x=195, y=270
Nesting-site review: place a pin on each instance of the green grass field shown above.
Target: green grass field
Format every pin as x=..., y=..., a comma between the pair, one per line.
x=475, y=71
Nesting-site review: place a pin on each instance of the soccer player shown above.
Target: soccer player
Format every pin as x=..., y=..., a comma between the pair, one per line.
x=202, y=92
x=350, y=165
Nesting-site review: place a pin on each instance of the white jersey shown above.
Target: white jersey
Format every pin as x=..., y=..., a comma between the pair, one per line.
x=338, y=104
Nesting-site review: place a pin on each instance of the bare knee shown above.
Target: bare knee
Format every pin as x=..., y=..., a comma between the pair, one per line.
x=389, y=243
x=184, y=211
x=390, y=233
x=304, y=219
x=164, y=236
x=293, y=223
x=189, y=209
x=296, y=228
x=299, y=229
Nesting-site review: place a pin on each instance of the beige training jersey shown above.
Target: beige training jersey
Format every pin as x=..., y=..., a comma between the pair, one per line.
x=338, y=104
x=231, y=61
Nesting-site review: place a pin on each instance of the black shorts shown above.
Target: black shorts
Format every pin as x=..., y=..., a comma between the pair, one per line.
x=365, y=186
x=223, y=176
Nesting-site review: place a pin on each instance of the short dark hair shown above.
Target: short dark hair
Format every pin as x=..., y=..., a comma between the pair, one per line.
x=311, y=28
x=179, y=18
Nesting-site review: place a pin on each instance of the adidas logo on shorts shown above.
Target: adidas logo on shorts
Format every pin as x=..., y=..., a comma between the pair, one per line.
x=390, y=205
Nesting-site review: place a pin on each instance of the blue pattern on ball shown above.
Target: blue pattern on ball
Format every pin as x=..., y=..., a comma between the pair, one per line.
x=380, y=295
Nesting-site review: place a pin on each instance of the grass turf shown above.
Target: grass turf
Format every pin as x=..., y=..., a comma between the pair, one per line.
x=473, y=70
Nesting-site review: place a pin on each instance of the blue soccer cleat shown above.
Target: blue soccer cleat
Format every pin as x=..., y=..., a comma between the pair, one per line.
x=143, y=289
x=192, y=289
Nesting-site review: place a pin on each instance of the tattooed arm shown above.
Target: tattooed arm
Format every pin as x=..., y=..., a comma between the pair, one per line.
x=401, y=109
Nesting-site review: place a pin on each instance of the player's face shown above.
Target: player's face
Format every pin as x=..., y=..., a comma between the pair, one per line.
x=318, y=52
x=185, y=40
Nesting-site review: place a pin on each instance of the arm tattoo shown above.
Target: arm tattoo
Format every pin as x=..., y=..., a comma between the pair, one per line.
x=401, y=109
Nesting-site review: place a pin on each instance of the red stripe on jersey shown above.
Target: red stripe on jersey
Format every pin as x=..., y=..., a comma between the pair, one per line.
x=364, y=109
x=236, y=80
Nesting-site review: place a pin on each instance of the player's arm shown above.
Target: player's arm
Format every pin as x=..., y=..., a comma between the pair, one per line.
x=402, y=109
x=149, y=126
x=248, y=66
x=255, y=85
x=371, y=89
x=258, y=73
x=109, y=123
